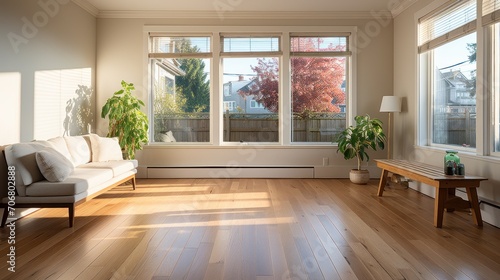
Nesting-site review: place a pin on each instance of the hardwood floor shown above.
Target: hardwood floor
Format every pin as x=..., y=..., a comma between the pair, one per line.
x=252, y=229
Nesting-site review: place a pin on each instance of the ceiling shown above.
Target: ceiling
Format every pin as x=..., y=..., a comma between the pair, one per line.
x=109, y=6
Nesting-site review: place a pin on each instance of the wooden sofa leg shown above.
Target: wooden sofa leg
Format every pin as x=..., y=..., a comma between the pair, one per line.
x=133, y=182
x=71, y=212
x=4, y=216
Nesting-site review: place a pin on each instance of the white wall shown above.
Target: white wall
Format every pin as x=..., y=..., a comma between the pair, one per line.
x=38, y=36
x=405, y=85
x=120, y=56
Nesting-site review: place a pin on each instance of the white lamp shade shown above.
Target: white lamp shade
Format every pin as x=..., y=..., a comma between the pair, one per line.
x=390, y=104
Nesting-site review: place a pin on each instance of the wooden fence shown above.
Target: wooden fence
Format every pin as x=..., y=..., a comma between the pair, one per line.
x=455, y=128
x=320, y=127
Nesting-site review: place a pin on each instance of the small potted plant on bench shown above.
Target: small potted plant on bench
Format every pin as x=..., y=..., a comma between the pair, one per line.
x=356, y=140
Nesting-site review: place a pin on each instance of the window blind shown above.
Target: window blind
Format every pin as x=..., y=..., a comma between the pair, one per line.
x=450, y=21
x=491, y=11
x=305, y=45
x=178, y=46
x=250, y=45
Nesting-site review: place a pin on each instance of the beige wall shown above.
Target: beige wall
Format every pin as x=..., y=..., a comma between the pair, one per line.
x=405, y=85
x=57, y=36
x=120, y=56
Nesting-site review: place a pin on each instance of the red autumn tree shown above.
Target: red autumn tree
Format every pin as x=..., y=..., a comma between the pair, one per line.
x=316, y=81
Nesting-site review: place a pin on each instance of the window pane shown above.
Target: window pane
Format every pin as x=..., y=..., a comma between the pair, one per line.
x=179, y=45
x=181, y=99
x=318, y=98
x=251, y=95
x=318, y=44
x=253, y=44
x=495, y=88
x=454, y=93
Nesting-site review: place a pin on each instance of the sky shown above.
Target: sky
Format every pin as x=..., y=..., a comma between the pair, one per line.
x=455, y=52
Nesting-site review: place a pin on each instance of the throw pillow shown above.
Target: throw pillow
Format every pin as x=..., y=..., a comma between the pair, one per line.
x=59, y=144
x=23, y=156
x=79, y=149
x=105, y=149
x=54, y=166
x=167, y=137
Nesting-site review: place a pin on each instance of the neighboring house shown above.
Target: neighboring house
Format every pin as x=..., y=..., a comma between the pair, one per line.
x=457, y=88
x=168, y=69
x=234, y=101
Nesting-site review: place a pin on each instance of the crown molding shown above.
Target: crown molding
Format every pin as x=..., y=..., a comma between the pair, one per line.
x=91, y=9
x=401, y=7
x=173, y=14
x=239, y=15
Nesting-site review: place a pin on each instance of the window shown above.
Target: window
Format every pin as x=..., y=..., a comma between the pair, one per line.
x=318, y=79
x=447, y=47
x=229, y=106
x=250, y=64
x=180, y=82
x=494, y=86
x=256, y=105
x=241, y=85
x=490, y=19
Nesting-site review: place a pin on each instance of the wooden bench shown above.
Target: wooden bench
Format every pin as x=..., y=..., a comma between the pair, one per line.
x=445, y=186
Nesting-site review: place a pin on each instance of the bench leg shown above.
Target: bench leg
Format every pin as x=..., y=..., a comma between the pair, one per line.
x=451, y=195
x=474, y=202
x=439, y=201
x=383, y=182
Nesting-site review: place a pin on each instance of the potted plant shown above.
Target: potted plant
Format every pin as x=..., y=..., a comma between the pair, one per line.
x=356, y=140
x=126, y=120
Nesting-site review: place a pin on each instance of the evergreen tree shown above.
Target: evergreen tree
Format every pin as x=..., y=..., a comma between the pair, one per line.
x=193, y=86
x=472, y=48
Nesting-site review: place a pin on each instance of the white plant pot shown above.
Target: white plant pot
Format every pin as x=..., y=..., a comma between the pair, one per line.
x=360, y=177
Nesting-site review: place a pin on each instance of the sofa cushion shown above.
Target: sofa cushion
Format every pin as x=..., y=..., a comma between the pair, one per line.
x=117, y=166
x=22, y=156
x=60, y=145
x=79, y=149
x=81, y=180
x=105, y=149
x=53, y=165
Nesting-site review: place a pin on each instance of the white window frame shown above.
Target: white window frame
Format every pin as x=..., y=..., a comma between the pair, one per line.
x=348, y=53
x=425, y=80
x=216, y=85
x=492, y=55
x=230, y=54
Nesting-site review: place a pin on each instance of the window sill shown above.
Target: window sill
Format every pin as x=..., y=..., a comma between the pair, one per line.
x=462, y=153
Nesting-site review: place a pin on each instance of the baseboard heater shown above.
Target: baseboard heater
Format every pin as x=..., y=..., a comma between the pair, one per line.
x=231, y=172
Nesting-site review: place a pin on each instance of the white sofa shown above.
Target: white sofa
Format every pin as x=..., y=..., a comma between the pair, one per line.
x=62, y=172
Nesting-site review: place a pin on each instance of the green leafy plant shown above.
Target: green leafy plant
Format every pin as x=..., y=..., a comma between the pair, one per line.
x=126, y=120
x=356, y=140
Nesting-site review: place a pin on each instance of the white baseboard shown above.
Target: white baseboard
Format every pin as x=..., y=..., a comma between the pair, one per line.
x=230, y=172
x=329, y=171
